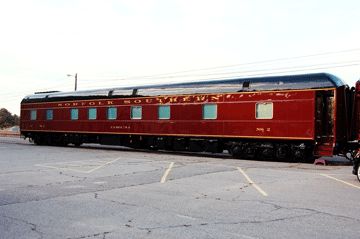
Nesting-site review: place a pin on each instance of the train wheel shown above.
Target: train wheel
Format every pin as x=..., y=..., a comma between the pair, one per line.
x=235, y=151
x=39, y=140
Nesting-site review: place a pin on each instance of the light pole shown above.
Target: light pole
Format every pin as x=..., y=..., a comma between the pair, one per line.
x=75, y=80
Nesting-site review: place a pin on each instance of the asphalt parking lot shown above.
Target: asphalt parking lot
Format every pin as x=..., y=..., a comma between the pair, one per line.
x=110, y=192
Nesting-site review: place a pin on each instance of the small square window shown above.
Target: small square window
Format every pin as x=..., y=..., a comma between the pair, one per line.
x=136, y=112
x=264, y=110
x=209, y=111
x=49, y=114
x=164, y=112
x=74, y=114
x=33, y=114
x=92, y=113
x=111, y=113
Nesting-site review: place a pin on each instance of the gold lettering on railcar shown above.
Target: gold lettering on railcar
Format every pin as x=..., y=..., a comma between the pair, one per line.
x=160, y=100
x=192, y=98
x=200, y=98
x=120, y=127
x=85, y=103
x=215, y=98
x=186, y=99
x=262, y=130
x=173, y=100
x=167, y=99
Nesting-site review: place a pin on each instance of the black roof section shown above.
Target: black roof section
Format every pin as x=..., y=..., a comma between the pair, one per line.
x=289, y=82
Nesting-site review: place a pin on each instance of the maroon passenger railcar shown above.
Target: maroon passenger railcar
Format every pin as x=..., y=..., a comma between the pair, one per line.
x=286, y=117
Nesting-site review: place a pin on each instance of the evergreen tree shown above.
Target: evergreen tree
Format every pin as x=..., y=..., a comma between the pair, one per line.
x=7, y=119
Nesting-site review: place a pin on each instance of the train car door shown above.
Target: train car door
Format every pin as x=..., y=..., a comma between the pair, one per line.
x=324, y=123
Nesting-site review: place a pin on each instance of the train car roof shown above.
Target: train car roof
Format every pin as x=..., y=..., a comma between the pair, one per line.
x=287, y=82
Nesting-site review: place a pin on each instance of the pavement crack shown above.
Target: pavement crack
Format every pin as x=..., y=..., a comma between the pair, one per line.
x=33, y=226
x=96, y=196
x=72, y=176
x=315, y=211
x=103, y=234
x=203, y=174
x=150, y=229
x=264, y=221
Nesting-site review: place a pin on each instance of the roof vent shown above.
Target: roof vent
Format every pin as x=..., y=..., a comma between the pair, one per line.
x=46, y=92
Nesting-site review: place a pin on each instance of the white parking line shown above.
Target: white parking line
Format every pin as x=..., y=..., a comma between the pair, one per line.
x=100, y=182
x=252, y=182
x=92, y=170
x=339, y=180
x=163, y=179
x=68, y=165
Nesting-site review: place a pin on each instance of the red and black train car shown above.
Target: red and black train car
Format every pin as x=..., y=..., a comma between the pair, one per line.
x=286, y=117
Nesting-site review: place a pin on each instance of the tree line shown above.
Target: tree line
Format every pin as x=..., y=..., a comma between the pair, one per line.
x=7, y=119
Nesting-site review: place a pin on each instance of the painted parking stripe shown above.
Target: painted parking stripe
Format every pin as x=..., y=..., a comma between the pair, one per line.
x=251, y=182
x=163, y=179
x=339, y=180
x=103, y=165
x=65, y=165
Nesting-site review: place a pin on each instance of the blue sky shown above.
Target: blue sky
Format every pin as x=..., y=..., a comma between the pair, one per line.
x=117, y=43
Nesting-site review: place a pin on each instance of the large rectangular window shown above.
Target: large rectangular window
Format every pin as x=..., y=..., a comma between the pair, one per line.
x=74, y=114
x=136, y=112
x=33, y=115
x=111, y=113
x=164, y=112
x=92, y=113
x=209, y=111
x=49, y=114
x=264, y=110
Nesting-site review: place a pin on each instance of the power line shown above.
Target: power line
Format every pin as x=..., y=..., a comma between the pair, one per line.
x=247, y=72
x=278, y=72
x=239, y=74
x=289, y=68
x=246, y=64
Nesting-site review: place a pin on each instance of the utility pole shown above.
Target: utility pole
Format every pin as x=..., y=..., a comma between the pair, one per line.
x=75, y=81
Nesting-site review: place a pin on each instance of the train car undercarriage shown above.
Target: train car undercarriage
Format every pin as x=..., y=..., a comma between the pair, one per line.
x=290, y=151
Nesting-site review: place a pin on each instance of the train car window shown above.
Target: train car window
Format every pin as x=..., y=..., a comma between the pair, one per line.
x=111, y=113
x=33, y=114
x=74, y=114
x=264, y=110
x=49, y=114
x=136, y=112
x=209, y=111
x=92, y=113
x=164, y=112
